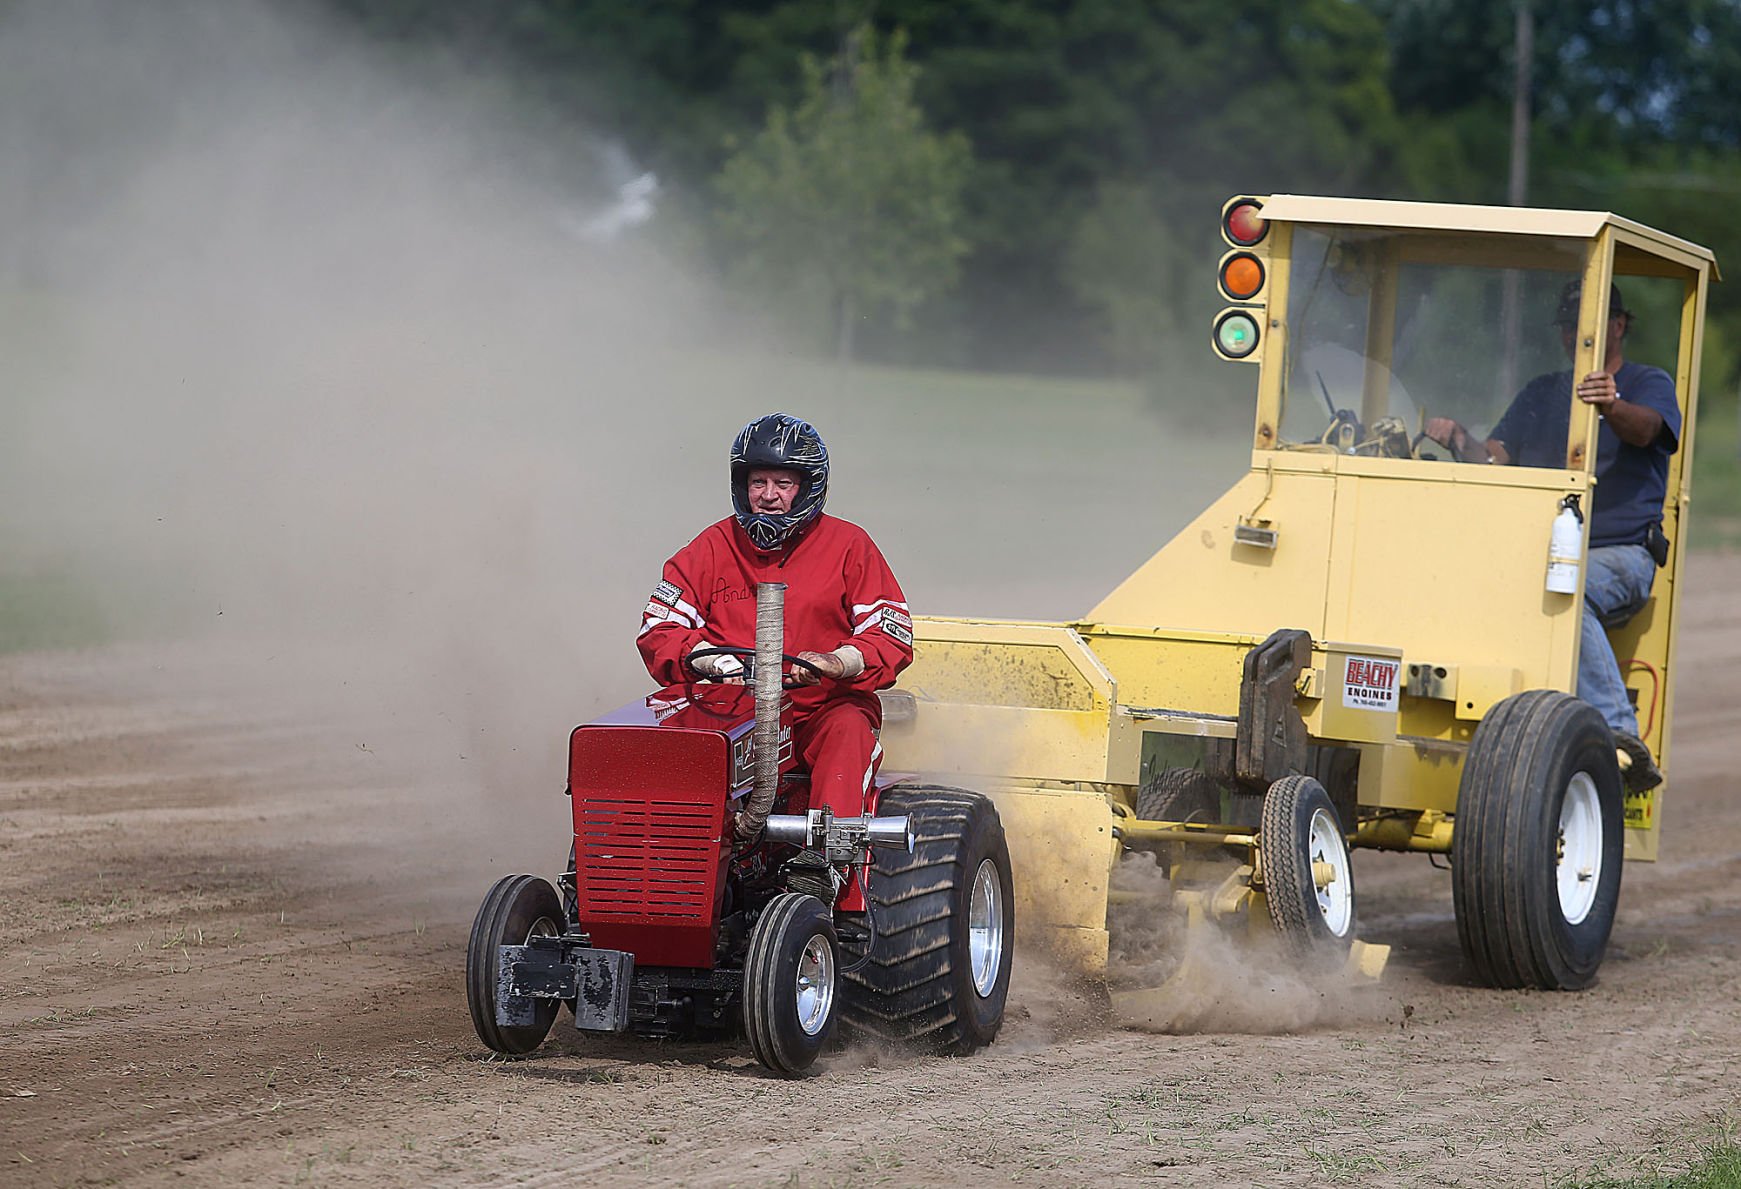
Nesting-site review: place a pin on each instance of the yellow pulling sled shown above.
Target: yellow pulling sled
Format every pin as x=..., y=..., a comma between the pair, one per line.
x=1371, y=640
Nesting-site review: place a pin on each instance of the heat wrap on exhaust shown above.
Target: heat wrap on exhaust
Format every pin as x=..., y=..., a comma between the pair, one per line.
x=770, y=643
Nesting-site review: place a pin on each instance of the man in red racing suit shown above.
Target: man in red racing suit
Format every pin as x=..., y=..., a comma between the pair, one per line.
x=845, y=612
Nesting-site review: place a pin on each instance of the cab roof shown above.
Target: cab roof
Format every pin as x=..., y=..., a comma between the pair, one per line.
x=1490, y=220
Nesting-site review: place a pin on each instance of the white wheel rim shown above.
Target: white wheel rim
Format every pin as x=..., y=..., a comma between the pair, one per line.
x=815, y=985
x=985, y=928
x=1578, y=853
x=1336, y=899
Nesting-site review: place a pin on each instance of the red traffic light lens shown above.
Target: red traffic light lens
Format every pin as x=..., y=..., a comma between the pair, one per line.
x=1242, y=276
x=1245, y=223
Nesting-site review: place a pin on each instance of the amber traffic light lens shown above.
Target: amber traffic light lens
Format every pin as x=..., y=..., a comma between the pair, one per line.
x=1245, y=224
x=1242, y=276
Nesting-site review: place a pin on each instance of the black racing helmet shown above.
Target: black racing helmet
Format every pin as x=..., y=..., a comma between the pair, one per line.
x=779, y=440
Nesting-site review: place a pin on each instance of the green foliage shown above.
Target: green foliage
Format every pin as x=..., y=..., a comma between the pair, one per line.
x=1125, y=262
x=1718, y=1166
x=1103, y=119
x=846, y=201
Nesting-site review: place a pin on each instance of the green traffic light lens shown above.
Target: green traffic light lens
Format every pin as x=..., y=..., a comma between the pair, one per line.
x=1236, y=334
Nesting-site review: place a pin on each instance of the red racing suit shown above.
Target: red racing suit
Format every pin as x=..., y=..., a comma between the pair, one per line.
x=839, y=590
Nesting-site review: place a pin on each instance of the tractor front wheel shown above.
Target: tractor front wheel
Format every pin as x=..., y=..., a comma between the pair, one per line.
x=517, y=909
x=790, y=982
x=1537, y=842
x=1308, y=879
x=939, y=972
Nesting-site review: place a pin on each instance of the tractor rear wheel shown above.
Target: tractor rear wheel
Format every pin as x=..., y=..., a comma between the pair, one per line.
x=516, y=909
x=1308, y=878
x=939, y=971
x=1537, y=843
x=1179, y=795
x=791, y=980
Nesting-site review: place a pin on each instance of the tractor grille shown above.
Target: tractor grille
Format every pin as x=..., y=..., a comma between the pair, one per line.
x=649, y=860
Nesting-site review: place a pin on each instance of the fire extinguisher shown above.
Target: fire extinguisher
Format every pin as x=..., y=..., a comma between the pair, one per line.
x=1566, y=547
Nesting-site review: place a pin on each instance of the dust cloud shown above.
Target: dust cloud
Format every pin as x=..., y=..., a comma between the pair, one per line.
x=1171, y=976
x=305, y=358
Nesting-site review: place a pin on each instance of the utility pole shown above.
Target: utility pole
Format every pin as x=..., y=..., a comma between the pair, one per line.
x=1517, y=185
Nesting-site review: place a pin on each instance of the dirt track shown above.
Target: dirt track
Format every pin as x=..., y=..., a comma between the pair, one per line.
x=234, y=948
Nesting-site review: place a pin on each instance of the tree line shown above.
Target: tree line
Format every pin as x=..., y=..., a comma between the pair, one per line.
x=1034, y=184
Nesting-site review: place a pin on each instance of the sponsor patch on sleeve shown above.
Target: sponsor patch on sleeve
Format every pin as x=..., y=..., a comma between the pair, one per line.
x=897, y=625
x=667, y=593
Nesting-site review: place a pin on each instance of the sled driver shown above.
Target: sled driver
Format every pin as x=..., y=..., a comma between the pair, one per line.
x=1640, y=428
x=845, y=612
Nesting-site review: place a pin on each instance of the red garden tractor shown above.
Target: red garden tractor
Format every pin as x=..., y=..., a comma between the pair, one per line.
x=704, y=894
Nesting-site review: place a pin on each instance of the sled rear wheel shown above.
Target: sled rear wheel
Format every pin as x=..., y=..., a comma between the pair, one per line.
x=1537, y=843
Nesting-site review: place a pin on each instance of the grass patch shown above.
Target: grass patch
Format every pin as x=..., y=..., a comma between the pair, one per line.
x=1717, y=1167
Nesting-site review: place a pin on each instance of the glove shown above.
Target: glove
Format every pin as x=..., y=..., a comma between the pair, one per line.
x=715, y=668
x=843, y=663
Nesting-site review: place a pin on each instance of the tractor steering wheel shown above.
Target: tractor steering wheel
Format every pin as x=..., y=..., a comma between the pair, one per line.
x=749, y=655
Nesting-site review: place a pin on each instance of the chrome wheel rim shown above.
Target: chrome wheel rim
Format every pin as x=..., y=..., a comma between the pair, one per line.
x=985, y=928
x=1578, y=849
x=1325, y=845
x=815, y=986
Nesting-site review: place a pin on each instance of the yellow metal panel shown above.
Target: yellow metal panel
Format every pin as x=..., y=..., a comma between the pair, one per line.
x=1590, y=350
x=1435, y=216
x=1503, y=220
x=1380, y=330
x=1479, y=687
x=1027, y=701
x=1354, y=710
x=1203, y=581
x=1411, y=774
x=1164, y=670
x=1275, y=341
x=1061, y=856
x=1645, y=646
x=1450, y=573
x=1013, y=741
x=991, y=673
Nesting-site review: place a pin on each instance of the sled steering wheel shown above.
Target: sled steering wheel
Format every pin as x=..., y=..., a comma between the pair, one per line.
x=749, y=655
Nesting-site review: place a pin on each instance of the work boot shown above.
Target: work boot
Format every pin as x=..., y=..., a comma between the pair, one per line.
x=1637, y=770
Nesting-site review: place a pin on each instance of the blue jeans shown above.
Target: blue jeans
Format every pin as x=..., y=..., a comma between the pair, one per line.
x=1617, y=585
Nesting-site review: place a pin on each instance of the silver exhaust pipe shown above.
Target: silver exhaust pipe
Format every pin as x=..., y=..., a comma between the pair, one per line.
x=843, y=839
